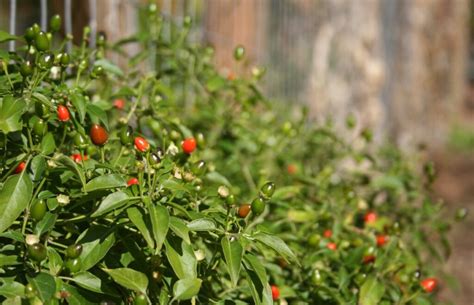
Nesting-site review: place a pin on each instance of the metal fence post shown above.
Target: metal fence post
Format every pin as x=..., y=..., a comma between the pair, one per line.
x=11, y=44
x=68, y=23
x=44, y=15
x=93, y=22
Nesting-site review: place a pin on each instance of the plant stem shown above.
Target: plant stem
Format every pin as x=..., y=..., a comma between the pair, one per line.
x=27, y=211
x=102, y=154
x=122, y=149
x=5, y=69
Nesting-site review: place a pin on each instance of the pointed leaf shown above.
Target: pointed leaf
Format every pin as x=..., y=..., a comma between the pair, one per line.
x=14, y=197
x=55, y=261
x=129, y=278
x=186, y=288
x=77, y=296
x=258, y=280
x=137, y=217
x=111, y=202
x=179, y=228
x=105, y=182
x=46, y=224
x=47, y=144
x=276, y=244
x=371, y=291
x=202, y=224
x=44, y=284
x=11, y=289
x=88, y=281
x=97, y=114
x=72, y=166
x=233, y=253
x=160, y=221
x=79, y=102
x=4, y=36
x=181, y=258
x=11, y=110
x=95, y=245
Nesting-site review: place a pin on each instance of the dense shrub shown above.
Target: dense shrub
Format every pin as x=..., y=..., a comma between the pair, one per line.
x=178, y=184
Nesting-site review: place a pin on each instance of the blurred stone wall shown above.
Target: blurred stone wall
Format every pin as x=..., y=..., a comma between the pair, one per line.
x=399, y=65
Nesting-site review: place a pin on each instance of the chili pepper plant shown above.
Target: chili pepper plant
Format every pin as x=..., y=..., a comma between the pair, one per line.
x=96, y=205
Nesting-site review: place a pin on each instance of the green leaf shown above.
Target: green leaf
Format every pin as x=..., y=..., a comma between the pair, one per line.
x=9, y=260
x=388, y=182
x=233, y=253
x=38, y=166
x=96, y=242
x=215, y=83
x=186, y=288
x=129, y=278
x=202, y=224
x=88, y=281
x=286, y=192
x=76, y=297
x=42, y=99
x=217, y=178
x=79, y=102
x=181, y=258
x=46, y=224
x=47, y=144
x=11, y=289
x=422, y=300
x=12, y=301
x=253, y=263
x=179, y=228
x=44, y=284
x=371, y=291
x=109, y=67
x=55, y=261
x=105, y=182
x=174, y=186
x=4, y=55
x=258, y=280
x=164, y=295
x=72, y=166
x=97, y=114
x=276, y=244
x=111, y=202
x=160, y=221
x=14, y=235
x=137, y=217
x=4, y=36
x=301, y=216
x=125, y=91
x=14, y=197
x=11, y=110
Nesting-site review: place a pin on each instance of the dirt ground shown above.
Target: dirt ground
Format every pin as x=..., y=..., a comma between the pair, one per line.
x=455, y=184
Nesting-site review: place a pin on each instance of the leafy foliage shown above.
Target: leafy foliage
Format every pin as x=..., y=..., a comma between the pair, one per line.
x=131, y=215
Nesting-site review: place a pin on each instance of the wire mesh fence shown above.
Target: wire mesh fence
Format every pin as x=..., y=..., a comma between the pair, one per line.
x=392, y=63
x=276, y=34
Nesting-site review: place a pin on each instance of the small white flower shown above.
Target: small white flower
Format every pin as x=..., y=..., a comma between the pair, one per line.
x=223, y=191
x=188, y=176
x=199, y=255
x=172, y=149
x=63, y=199
x=362, y=204
x=51, y=163
x=31, y=239
x=177, y=174
x=55, y=72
